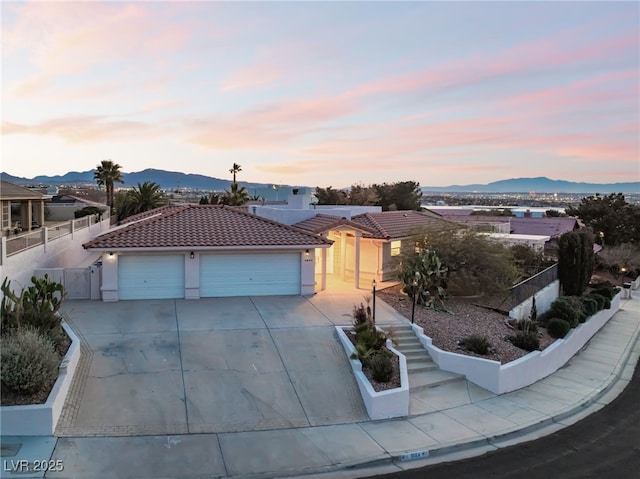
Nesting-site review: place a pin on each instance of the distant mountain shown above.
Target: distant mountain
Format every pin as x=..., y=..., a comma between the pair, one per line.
x=166, y=179
x=538, y=185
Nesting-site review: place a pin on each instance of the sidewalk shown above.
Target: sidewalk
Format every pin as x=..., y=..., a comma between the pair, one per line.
x=464, y=420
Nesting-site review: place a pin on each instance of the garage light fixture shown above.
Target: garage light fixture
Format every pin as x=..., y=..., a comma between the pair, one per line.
x=307, y=255
x=110, y=254
x=192, y=255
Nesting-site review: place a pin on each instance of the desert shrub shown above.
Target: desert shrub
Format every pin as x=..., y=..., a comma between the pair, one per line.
x=576, y=302
x=562, y=308
x=589, y=305
x=477, y=343
x=526, y=340
x=527, y=325
x=558, y=328
x=361, y=314
x=29, y=362
x=544, y=318
x=381, y=366
x=368, y=338
x=599, y=299
x=605, y=289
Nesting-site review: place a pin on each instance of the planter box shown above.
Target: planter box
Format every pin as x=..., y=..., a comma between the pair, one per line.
x=41, y=419
x=383, y=404
x=502, y=378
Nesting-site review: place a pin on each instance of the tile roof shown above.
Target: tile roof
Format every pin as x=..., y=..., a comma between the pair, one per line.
x=321, y=223
x=203, y=226
x=9, y=191
x=398, y=224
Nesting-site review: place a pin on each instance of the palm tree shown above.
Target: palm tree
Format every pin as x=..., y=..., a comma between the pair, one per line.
x=236, y=168
x=146, y=196
x=236, y=196
x=106, y=174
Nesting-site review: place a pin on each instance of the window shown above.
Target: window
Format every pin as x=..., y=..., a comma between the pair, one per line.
x=395, y=248
x=6, y=215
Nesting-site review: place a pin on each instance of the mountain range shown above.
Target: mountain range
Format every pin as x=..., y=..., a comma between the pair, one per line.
x=173, y=179
x=166, y=179
x=540, y=184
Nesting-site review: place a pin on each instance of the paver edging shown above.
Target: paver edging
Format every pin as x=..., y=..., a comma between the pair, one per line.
x=41, y=419
x=384, y=404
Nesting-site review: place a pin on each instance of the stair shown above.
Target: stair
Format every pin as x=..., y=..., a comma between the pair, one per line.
x=422, y=371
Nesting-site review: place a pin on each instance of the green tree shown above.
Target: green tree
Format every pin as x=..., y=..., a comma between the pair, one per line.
x=329, y=196
x=106, y=174
x=236, y=196
x=403, y=195
x=612, y=219
x=575, y=261
x=363, y=195
x=622, y=259
x=145, y=197
x=236, y=168
x=476, y=264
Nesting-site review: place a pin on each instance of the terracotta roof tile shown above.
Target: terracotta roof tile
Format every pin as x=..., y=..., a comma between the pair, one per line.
x=203, y=226
x=397, y=224
x=321, y=223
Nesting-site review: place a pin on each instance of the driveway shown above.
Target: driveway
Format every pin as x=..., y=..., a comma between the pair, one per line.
x=210, y=365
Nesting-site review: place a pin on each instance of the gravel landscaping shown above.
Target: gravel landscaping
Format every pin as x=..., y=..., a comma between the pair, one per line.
x=462, y=319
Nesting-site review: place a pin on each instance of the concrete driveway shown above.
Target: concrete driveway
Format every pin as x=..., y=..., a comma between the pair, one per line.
x=210, y=365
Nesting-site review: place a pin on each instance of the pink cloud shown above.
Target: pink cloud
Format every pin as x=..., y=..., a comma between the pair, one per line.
x=80, y=129
x=271, y=126
x=63, y=39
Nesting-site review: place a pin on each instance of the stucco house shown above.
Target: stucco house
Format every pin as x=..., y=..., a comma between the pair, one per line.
x=367, y=246
x=31, y=205
x=540, y=232
x=199, y=251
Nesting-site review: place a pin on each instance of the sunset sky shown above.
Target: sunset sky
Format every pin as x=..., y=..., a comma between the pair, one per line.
x=319, y=94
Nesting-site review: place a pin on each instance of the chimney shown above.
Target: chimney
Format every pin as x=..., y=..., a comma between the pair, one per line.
x=297, y=201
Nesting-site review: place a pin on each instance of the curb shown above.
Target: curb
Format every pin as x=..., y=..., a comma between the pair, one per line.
x=512, y=436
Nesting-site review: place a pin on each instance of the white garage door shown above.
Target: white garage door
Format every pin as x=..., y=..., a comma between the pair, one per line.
x=151, y=277
x=249, y=274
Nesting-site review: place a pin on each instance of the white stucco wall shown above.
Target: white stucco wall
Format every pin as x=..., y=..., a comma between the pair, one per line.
x=41, y=419
x=63, y=252
x=544, y=298
x=384, y=404
x=536, y=365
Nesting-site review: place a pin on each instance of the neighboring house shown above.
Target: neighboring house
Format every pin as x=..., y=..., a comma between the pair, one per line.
x=535, y=231
x=30, y=204
x=63, y=207
x=199, y=251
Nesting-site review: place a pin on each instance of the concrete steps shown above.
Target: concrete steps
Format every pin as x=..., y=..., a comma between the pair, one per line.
x=422, y=371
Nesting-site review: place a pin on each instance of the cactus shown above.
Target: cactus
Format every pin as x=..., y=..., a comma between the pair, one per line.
x=35, y=306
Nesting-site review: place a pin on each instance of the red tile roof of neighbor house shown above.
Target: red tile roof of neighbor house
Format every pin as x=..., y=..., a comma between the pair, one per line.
x=321, y=223
x=203, y=226
x=399, y=224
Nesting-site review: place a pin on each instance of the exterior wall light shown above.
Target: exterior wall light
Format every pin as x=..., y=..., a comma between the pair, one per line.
x=307, y=255
x=192, y=255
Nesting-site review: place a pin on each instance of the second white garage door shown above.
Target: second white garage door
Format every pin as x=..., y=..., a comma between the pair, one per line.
x=249, y=274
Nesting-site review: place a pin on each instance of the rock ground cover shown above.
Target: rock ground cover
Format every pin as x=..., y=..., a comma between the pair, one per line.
x=462, y=318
